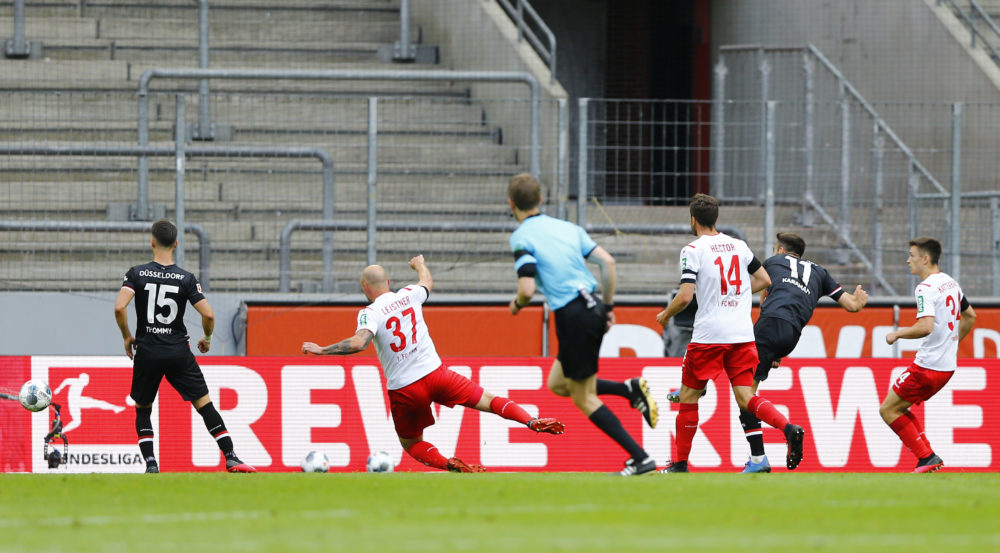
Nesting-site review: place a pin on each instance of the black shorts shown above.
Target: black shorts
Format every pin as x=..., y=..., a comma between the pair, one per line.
x=580, y=331
x=183, y=373
x=775, y=338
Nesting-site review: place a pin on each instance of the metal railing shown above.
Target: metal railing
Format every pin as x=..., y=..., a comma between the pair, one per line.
x=969, y=20
x=285, y=245
x=333, y=74
x=17, y=47
x=517, y=11
x=181, y=153
x=204, y=242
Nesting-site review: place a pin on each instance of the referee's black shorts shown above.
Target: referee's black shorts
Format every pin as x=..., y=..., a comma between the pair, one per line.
x=775, y=339
x=183, y=373
x=580, y=331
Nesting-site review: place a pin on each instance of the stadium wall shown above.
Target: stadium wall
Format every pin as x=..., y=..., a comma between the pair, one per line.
x=279, y=408
x=83, y=324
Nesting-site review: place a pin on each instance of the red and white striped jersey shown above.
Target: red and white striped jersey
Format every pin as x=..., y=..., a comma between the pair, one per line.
x=720, y=266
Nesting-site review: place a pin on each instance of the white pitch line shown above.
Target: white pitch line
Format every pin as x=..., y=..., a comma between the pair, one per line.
x=164, y=518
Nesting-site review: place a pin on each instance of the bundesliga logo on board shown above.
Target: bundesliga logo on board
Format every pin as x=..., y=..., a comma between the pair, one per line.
x=95, y=409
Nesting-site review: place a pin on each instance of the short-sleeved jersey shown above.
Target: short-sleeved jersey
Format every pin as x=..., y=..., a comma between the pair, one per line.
x=161, y=296
x=720, y=268
x=939, y=296
x=554, y=252
x=796, y=287
x=402, y=342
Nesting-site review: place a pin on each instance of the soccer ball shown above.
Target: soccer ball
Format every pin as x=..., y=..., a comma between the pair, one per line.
x=315, y=461
x=35, y=395
x=380, y=461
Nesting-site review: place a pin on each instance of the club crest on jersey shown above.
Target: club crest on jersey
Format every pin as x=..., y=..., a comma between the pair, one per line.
x=198, y=286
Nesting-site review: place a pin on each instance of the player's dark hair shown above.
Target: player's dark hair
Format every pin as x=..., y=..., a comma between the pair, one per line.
x=165, y=233
x=525, y=191
x=929, y=246
x=792, y=243
x=705, y=210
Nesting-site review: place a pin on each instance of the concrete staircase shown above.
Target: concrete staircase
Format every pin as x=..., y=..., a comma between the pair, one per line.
x=442, y=154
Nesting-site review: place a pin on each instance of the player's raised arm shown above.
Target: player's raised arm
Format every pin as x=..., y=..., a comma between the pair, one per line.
x=125, y=296
x=207, y=324
x=853, y=302
x=354, y=344
x=423, y=273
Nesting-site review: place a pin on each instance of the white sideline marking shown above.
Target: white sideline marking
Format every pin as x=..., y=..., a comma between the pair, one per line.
x=215, y=516
x=165, y=518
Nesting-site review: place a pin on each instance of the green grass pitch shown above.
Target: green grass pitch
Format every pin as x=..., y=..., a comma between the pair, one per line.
x=512, y=513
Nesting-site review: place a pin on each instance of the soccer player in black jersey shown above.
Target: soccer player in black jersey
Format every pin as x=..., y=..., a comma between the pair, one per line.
x=785, y=308
x=160, y=345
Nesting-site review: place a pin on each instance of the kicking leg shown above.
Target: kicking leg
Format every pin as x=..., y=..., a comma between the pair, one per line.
x=512, y=411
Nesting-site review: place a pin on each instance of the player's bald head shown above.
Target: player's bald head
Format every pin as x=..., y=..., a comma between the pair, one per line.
x=374, y=275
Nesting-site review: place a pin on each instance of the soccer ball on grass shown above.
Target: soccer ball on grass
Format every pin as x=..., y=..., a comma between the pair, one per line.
x=35, y=395
x=315, y=461
x=380, y=461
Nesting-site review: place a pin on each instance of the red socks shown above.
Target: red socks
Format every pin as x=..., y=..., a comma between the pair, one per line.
x=428, y=454
x=686, y=426
x=509, y=410
x=767, y=412
x=911, y=432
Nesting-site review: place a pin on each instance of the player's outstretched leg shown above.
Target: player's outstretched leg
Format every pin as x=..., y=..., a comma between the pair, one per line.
x=511, y=411
x=636, y=391
x=217, y=428
x=144, y=430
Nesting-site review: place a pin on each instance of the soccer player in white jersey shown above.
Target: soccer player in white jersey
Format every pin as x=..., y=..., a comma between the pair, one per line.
x=725, y=274
x=413, y=371
x=944, y=318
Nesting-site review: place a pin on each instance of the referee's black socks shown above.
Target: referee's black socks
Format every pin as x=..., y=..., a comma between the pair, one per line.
x=217, y=428
x=614, y=388
x=604, y=419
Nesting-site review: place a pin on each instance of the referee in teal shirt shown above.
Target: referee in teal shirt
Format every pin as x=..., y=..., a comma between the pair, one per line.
x=551, y=254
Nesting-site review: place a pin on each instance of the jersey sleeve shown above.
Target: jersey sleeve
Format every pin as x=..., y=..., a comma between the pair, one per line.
x=130, y=281
x=194, y=292
x=925, y=300
x=367, y=320
x=829, y=287
x=587, y=243
x=525, y=263
x=416, y=292
x=689, y=264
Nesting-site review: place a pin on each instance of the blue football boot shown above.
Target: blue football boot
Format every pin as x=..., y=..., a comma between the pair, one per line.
x=762, y=466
